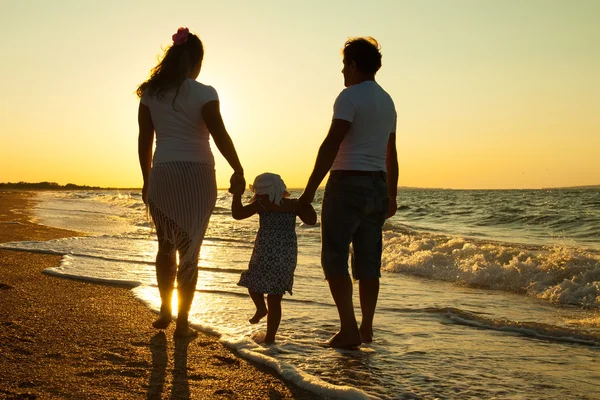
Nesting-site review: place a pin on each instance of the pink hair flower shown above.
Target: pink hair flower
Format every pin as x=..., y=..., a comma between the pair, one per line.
x=181, y=36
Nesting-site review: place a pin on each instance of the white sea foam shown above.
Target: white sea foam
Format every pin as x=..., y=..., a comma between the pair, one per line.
x=250, y=350
x=561, y=275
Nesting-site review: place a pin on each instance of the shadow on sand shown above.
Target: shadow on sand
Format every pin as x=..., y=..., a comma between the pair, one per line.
x=180, y=386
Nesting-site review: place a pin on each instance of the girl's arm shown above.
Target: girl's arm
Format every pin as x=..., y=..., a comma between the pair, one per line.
x=306, y=212
x=239, y=211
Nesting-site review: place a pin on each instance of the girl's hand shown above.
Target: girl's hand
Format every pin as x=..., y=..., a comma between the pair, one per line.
x=307, y=213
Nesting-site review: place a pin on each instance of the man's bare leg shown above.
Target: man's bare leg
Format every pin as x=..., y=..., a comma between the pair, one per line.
x=368, y=292
x=348, y=336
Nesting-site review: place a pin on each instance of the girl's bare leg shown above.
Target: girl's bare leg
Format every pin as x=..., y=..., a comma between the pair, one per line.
x=261, y=307
x=273, y=316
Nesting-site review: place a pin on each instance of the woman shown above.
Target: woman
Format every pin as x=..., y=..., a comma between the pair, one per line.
x=179, y=181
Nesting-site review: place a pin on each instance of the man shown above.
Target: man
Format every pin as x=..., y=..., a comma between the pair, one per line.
x=360, y=151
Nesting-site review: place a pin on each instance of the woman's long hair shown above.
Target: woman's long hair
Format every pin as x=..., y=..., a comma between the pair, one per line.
x=174, y=68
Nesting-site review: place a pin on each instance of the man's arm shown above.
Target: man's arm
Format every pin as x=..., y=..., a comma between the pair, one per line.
x=325, y=158
x=391, y=163
x=145, y=142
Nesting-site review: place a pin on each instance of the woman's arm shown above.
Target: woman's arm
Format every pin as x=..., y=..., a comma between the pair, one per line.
x=306, y=212
x=239, y=211
x=145, y=142
x=211, y=113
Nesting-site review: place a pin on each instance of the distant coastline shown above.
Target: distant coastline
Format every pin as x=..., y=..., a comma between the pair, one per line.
x=71, y=186
x=53, y=186
x=574, y=187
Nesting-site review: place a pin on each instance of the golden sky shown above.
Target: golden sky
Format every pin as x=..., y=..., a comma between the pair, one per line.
x=489, y=94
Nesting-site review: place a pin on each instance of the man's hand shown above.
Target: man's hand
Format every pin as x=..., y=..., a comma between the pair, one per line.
x=307, y=197
x=392, y=208
x=145, y=193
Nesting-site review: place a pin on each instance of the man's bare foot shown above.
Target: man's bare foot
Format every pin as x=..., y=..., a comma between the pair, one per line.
x=163, y=321
x=366, y=334
x=342, y=340
x=260, y=314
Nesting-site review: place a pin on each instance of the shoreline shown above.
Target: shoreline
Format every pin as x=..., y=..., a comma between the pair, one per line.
x=63, y=338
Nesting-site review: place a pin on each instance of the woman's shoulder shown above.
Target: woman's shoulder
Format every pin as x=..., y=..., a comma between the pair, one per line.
x=201, y=88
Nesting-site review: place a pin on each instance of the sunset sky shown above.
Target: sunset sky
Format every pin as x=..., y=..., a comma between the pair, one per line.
x=489, y=94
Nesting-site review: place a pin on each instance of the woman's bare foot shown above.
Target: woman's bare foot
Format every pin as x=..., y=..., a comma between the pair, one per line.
x=163, y=321
x=183, y=330
x=260, y=314
x=342, y=340
x=366, y=334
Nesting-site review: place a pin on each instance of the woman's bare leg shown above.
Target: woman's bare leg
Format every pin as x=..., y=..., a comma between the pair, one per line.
x=187, y=277
x=166, y=269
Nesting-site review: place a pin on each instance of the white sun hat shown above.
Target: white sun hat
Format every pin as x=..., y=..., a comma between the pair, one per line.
x=269, y=184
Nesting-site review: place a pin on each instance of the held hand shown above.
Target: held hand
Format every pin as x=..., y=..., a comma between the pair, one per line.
x=237, y=184
x=307, y=197
x=145, y=193
x=393, y=206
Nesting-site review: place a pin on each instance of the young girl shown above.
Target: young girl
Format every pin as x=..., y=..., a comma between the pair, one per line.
x=273, y=261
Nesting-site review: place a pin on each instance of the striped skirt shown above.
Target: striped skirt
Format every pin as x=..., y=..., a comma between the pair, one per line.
x=181, y=198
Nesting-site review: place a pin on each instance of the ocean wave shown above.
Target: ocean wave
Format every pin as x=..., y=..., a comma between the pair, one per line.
x=526, y=328
x=560, y=275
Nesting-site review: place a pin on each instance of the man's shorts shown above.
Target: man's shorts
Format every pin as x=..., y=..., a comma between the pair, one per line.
x=354, y=208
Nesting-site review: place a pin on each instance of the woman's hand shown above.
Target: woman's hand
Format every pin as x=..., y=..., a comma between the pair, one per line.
x=145, y=193
x=237, y=183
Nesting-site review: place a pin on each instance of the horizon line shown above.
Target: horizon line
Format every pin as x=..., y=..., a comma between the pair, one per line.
x=90, y=187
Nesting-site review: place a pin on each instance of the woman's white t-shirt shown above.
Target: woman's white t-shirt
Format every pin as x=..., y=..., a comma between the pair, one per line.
x=181, y=133
x=373, y=115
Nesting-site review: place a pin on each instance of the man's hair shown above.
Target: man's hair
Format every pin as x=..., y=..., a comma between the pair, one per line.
x=365, y=52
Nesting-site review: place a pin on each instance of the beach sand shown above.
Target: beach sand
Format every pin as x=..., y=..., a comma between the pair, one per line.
x=66, y=339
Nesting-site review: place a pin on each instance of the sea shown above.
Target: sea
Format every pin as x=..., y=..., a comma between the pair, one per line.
x=485, y=294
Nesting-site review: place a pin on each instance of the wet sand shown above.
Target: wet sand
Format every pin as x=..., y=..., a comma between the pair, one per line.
x=66, y=339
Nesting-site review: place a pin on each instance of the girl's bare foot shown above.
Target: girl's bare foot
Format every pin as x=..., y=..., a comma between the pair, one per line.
x=163, y=321
x=261, y=337
x=260, y=314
